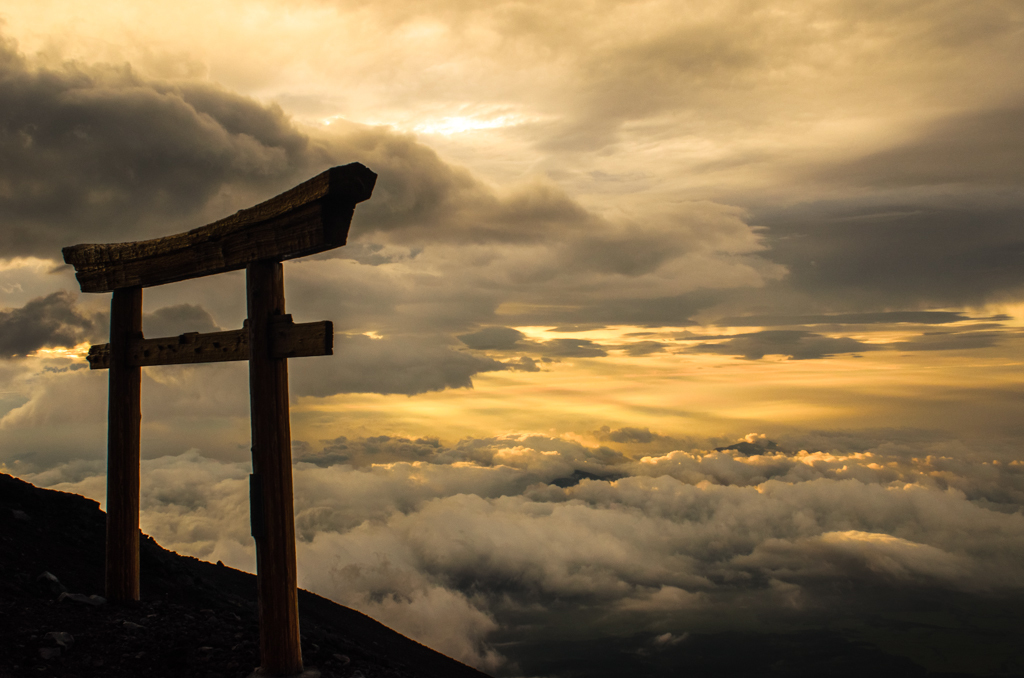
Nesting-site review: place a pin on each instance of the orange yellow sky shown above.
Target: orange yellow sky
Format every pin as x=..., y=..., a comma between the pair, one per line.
x=602, y=232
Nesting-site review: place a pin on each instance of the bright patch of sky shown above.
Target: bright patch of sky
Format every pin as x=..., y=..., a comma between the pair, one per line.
x=605, y=238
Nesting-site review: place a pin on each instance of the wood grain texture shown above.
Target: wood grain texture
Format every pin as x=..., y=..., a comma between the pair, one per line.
x=124, y=418
x=300, y=340
x=312, y=217
x=288, y=340
x=280, y=651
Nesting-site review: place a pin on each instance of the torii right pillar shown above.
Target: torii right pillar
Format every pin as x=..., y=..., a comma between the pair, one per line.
x=272, y=505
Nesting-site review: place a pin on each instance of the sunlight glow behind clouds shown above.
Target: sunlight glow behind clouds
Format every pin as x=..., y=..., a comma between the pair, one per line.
x=606, y=239
x=459, y=124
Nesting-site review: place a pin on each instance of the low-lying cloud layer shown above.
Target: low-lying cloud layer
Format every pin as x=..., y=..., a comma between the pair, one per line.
x=455, y=544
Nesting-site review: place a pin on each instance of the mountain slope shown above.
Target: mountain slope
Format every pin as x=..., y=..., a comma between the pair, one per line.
x=194, y=619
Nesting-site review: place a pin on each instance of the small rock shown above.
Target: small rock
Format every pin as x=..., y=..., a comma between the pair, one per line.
x=50, y=582
x=81, y=598
x=49, y=652
x=134, y=626
x=20, y=515
x=342, y=659
x=358, y=674
x=62, y=638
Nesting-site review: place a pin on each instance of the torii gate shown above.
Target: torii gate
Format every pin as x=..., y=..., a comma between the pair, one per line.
x=312, y=217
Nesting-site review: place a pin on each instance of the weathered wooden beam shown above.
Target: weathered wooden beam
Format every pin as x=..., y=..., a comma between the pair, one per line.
x=312, y=217
x=288, y=340
x=276, y=574
x=124, y=420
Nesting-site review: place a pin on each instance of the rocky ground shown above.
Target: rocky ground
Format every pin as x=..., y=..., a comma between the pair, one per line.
x=195, y=619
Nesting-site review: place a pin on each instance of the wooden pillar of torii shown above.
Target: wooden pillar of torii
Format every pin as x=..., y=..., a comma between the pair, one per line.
x=312, y=217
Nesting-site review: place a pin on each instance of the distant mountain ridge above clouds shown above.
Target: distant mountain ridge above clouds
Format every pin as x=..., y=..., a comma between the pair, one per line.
x=578, y=475
x=750, y=448
x=194, y=619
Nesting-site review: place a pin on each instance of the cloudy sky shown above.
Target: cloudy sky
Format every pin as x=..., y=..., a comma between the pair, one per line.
x=607, y=237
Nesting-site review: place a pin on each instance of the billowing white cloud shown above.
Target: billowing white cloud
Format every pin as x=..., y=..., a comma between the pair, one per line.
x=452, y=547
x=388, y=365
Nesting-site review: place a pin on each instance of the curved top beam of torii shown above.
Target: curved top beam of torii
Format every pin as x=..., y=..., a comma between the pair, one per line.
x=312, y=217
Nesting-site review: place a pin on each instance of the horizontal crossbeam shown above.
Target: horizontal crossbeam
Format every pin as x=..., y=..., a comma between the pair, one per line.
x=288, y=340
x=312, y=217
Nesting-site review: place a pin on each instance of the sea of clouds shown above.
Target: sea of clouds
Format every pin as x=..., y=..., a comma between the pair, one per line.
x=512, y=537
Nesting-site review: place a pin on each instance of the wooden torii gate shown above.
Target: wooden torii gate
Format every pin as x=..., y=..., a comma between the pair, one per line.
x=312, y=217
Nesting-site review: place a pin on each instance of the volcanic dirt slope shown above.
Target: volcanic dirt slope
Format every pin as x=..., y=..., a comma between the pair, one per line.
x=194, y=619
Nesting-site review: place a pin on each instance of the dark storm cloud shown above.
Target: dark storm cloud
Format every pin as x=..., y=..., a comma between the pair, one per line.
x=375, y=254
x=174, y=320
x=491, y=338
x=629, y=252
x=644, y=347
x=572, y=348
x=629, y=434
x=645, y=311
x=962, y=337
x=847, y=256
x=390, y=365
x=672, y=70
x=370, y=450
x=932, y=219
x=523, y=364
x=941, y=225
x=534, y=240
x=507, y=338
x=980, y=147
x=723, y=59
x=951, y=341
x=879, y=318
x=98, y=153
x=54, y=320
x=796, y=344
x=421, y=198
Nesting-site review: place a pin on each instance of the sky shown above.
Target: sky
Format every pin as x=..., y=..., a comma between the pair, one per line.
x=664, y=317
